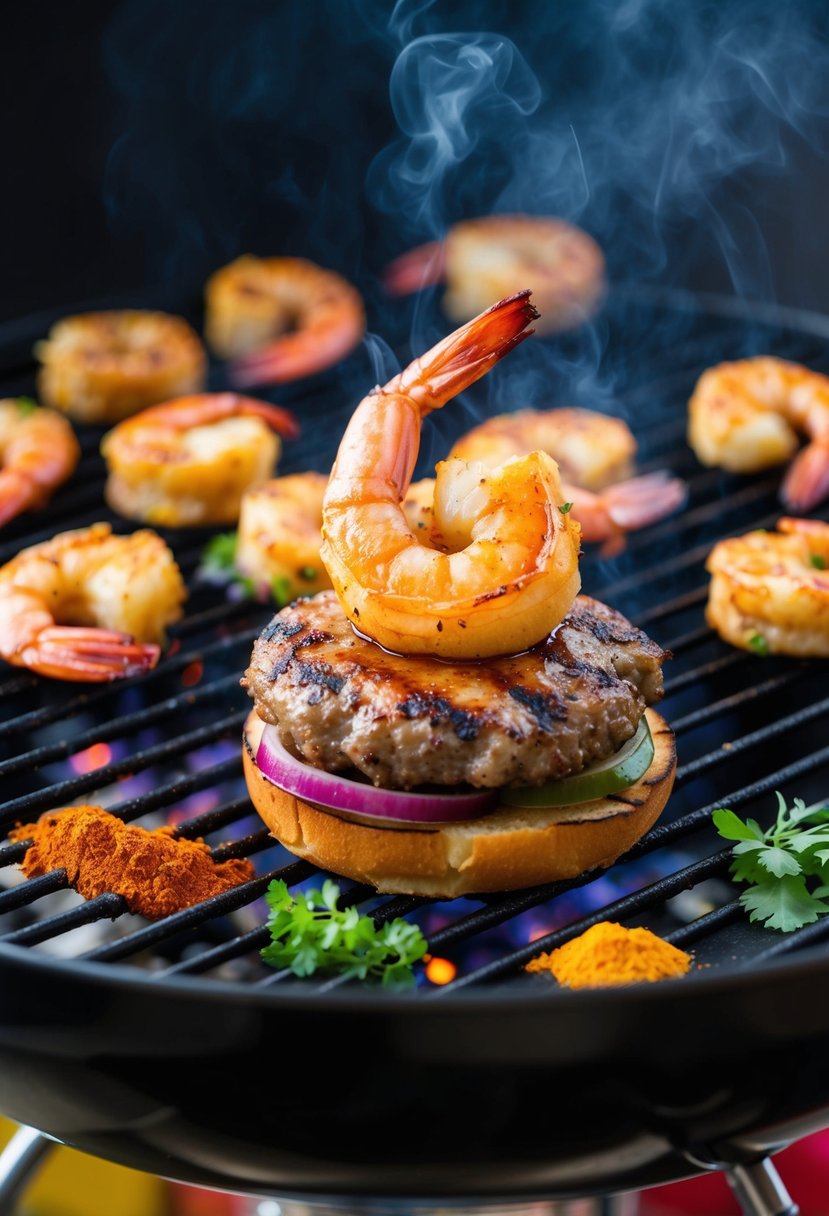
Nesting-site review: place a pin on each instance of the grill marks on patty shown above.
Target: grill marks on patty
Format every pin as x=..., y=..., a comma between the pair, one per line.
x=341, y=701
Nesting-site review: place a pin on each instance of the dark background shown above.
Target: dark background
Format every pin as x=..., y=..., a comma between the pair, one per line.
x=147, y=142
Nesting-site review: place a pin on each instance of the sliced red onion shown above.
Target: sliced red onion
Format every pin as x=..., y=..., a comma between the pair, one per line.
x=385, y=808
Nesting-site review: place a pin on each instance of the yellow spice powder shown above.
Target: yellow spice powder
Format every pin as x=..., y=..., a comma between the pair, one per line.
x=610, y=954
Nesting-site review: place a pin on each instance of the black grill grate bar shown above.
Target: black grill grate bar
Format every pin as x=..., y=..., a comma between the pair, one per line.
x=64, y=791
x=796, y=940
x=46, y=714
x=686, y=559
x=667, y=608
x=188, y=918
x=255, y=842
x=773, y=730
x=123, y=727
x=212, y=821
x=255, y=939
x=28, y=892
x=704, y=925
x=701, y=514
x=706, y=713
x=103, y=907
x=621, y=909
x=669, y=833
x=695, y=674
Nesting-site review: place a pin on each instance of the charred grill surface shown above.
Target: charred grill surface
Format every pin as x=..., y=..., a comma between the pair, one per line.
x=341, y=701
x=167, y=1045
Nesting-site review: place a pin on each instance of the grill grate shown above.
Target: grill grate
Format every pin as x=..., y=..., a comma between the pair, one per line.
x=166, y=744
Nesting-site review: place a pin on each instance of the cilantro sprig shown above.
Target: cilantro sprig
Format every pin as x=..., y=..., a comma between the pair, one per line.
x=786, y=866
x=311, y=933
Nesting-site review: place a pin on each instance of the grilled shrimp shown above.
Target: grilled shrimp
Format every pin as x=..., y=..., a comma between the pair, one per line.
x=748, y=415
x=88, y=605
x=38, y=453
x=189, y=461
x=279, y=319
x=481, y=260
x=104, y=366
x=595, y=455
x=279, y=537
x=769, y=591
x=503, y=568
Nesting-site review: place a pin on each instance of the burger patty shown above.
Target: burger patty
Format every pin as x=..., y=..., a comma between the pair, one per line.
x=340, y=701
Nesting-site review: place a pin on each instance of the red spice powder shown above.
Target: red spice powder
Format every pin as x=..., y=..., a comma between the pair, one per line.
x=154, y=872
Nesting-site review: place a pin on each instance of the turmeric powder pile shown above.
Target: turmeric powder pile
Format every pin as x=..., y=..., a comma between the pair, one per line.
x=610, y=954
x=156, y=873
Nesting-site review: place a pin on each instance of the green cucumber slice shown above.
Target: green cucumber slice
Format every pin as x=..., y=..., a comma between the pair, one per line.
x=607, y=776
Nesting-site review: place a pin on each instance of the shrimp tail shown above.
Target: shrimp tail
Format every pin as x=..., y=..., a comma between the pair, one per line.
x=645, y=500
x=467, y=354
x=424, y=266
x=807, y=481
x=17, y=494
x=625, y=507
x=296, y=355
x=87, y=654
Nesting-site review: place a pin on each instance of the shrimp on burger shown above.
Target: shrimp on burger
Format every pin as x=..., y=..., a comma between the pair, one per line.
x=453, y=718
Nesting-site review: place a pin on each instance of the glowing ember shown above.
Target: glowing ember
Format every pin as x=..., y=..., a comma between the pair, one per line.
x=91, y=758
x=440, y=971
x=192, y=674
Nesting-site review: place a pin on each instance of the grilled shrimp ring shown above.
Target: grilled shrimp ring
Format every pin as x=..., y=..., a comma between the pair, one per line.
x=104, y=366
x=481, y=260
x=769, y=591
x=279, y=319
x=188, y=462
x=88, y=605
x=38, y=453
x=501, y=567
x=748, y=415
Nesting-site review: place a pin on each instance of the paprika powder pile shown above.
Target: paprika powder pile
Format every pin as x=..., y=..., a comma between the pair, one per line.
x=608, y=954
x=156, y=873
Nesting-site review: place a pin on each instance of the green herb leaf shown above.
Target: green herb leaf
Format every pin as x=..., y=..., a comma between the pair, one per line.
x=281, y=590
x=565, y=507
x=219, y=554
x=818, y=561
x=759, y=644
x=310, y=932
x=309, y=573
x=786, y=866
x=26, y=406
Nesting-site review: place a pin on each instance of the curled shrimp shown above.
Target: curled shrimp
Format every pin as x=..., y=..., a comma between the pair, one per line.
x=189, y=461
x=89, y=605
x=502, y=570
x=769, y=591
x=100, y=367
x=481, y=259
x=595, y=454
x=38, y=453
x=748, y=415
x=279, y=319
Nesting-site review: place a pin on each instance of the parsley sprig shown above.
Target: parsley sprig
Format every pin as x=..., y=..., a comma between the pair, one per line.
x=311, y=933
x=786, y=866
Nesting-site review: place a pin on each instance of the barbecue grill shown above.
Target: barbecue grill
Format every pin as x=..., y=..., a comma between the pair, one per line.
x=170, y=1047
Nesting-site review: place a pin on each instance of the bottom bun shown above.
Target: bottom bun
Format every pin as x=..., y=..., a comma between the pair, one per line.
x=502, y=851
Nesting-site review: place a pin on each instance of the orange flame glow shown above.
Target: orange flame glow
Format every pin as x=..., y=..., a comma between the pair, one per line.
x=440, y=970
x=91, y=758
